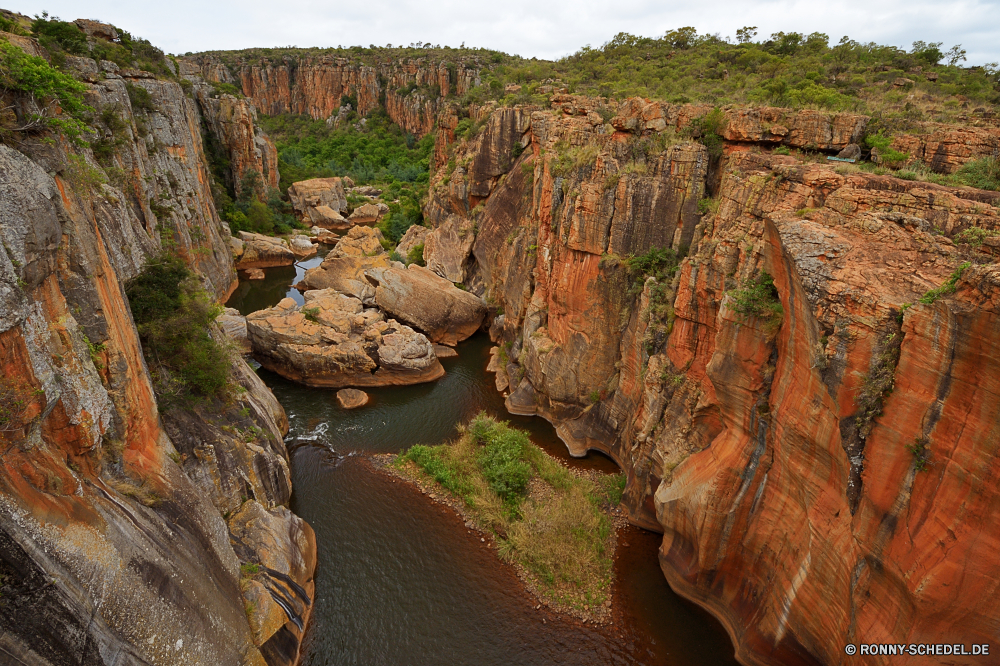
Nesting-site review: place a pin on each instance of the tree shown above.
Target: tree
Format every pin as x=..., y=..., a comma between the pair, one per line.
x=955, y=55
x=746, y=34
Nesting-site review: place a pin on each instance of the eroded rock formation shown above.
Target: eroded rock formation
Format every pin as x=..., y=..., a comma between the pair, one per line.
x=410, y=91
x=334, y=341
x=113, y=544
x=822, y=472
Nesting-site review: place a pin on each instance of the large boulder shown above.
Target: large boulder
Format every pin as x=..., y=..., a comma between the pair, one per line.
x=447, y=248
x=343, y=268
x=414, y=236
x=235, y=326
x=427, y=301
x=260, y=251
x=302, y=247
x=367, y=214
x=334, y=341
x=320, y=202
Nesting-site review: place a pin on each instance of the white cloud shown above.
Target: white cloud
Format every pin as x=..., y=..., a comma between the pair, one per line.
x=540, y=28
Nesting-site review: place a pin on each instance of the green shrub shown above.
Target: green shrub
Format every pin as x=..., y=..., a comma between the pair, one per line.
x=974, y=237
x=758, y=298
x=312, y=314
x=173, y=315
x=982, y=173
x=882, y=144
x=140, y=98
x=416, y=255
x=54, y=34
x=708, y=130
x=33, y=76
x=659, y=262
x=949, y=287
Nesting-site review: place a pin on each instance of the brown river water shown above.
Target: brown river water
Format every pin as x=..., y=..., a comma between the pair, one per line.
x=401, y=581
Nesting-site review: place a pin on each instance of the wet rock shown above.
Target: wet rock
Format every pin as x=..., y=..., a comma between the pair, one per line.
x=427, y=301
x=334, y=341
x=443, y=351
x=351, y=398
x=324, y=236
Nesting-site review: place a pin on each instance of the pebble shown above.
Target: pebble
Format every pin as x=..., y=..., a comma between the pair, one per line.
x=483, y=540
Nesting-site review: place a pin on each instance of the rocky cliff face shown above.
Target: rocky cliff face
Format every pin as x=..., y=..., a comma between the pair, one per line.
x=128, y=536
x=410, y=91
x=822, y=471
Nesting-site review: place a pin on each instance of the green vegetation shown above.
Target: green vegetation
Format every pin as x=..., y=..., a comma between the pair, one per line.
x=33, y=76
x=173, y=315
x=974, y=237
x=416, y=255
x=886, y=155
x=982, y=173
x=61, y=37
x=921, y=451
x=311, y=314
x=662, y=264
x=376, y=153
x=949, y=286
x=545, y=518
x=878, y=383
x=758, y=298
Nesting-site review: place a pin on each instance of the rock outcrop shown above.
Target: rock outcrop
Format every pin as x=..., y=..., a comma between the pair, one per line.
x=320, y=202
x=351, y=398
x=334, y=341
x=815, y=462
x=409, y=90
x=415, y=295
x=252, y=250
x=114, y=548
x=344, y=267
x=231, y=125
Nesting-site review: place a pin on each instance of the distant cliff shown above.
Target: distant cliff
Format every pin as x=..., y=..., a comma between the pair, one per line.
x=132, y=532
x=411, y=91
x=805, y=406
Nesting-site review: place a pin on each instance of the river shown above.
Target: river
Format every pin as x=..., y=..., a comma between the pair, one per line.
x=401, y=581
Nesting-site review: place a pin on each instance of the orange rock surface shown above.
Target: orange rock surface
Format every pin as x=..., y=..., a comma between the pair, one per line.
x=822, y=477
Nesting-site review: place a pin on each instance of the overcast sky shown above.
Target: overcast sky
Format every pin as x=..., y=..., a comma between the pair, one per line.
x=540, y=28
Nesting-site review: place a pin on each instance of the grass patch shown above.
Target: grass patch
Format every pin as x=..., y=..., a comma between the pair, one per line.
x=949, y=286
x=546, y=519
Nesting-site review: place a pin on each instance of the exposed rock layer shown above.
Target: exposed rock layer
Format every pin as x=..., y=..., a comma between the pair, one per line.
x=112, y=537
x=820, y=479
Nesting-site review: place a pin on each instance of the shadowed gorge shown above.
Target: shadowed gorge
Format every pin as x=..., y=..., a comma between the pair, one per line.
x=737, y=300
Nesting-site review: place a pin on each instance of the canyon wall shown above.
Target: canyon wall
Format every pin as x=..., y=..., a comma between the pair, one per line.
x=131, y=531
x=411, y=90
x=824, y=470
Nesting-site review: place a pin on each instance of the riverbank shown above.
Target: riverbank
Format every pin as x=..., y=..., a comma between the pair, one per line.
x=598, y=614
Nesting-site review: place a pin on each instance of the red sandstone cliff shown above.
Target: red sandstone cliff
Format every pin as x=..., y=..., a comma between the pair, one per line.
x=823, y=479
x=411, y=91
x=113, y=544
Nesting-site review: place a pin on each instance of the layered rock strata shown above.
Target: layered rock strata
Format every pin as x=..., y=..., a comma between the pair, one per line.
x=820, y=470
x=334, y=341
x=113, y=543
x=409, y=90
x=252, y=250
